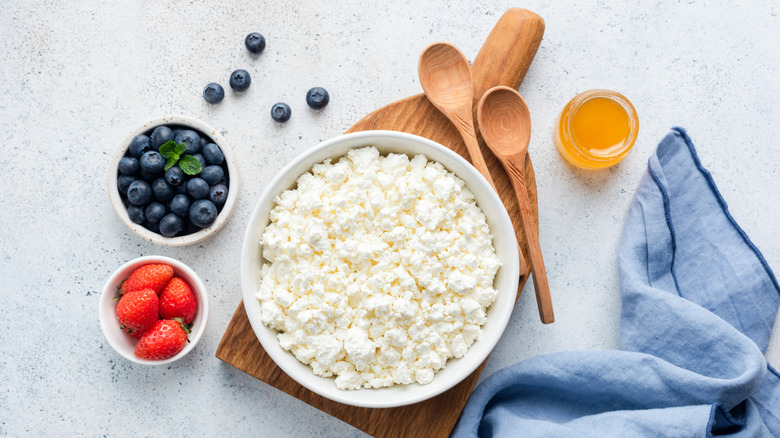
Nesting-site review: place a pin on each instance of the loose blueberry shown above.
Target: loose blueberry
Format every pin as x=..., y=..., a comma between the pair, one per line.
x=123, y=182
x=154, y=212
x=139, y=193
x=162, y=191
x=171, y=224
x=129, y=165
x=317, y=98
x=139, y=145
x=212, y=174
x=160, y=136
x=197, y=188
x=200, y=158
x=152, y=163
x=191, y=139
x=280, y=112
x=136, y=214
x=213, y=93
x=218, y=194
x=255, y=42
x=240, y=80
x=180, y=205
x=213, y=154
x=174, y=176
x=203, y=213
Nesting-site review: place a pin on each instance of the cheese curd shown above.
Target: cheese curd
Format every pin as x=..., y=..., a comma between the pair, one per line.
x=378, y=269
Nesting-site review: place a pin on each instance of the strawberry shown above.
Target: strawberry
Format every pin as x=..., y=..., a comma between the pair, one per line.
x=137, y=311
x=165, y=340
x=154, y=277
x=177, y=300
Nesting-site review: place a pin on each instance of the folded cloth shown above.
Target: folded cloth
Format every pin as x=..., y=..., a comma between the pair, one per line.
x=698, y=306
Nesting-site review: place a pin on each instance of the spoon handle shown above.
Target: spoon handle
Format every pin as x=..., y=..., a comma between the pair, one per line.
x=472, y=145
x=516, y=173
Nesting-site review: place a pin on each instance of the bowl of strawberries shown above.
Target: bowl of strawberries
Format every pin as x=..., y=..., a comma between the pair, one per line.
x=153, y=310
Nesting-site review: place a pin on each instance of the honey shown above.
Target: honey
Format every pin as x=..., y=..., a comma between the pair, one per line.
x=596, y=129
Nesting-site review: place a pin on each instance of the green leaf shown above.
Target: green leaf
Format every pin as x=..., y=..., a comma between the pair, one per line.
x=180, y=148
x=171, y=162
x=168, y=149
x=190, y=165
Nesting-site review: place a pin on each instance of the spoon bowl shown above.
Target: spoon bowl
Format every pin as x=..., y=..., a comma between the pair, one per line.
x=505, y=122
x=447, y=77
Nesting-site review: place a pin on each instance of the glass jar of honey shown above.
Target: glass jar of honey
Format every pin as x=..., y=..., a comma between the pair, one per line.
x=596, y=129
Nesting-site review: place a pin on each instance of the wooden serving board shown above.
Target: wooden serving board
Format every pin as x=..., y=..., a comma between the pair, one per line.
x=503, y=60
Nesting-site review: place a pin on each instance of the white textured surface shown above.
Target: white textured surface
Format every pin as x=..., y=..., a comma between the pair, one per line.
x=77, y=76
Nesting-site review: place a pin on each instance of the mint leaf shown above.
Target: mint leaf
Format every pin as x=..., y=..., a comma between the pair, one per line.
x=190, y=165
x=180, y=148
x=171, y=162
x=168, y=149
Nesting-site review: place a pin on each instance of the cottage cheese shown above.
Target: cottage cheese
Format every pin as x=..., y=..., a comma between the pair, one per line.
x=379, y=269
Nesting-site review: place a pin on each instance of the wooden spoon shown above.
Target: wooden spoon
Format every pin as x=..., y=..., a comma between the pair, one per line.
x=505, y=124
x=445, y=76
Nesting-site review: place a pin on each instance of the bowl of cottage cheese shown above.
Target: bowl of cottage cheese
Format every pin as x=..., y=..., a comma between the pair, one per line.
x=379, y=269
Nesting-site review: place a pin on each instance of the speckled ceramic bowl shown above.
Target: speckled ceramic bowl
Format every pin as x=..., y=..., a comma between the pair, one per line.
x=124, y=344
x=506, y=280
x=233, y=177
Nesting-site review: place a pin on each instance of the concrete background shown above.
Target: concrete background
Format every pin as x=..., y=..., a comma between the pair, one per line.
x=76, y=77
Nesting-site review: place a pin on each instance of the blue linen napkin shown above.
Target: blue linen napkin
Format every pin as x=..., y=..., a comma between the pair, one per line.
x=699, y=302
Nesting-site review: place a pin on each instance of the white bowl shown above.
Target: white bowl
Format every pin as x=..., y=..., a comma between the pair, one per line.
x=506, y=280
x=124, y=344
x=230, y=202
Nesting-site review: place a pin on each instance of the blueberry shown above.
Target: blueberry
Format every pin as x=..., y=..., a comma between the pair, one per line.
x=212, y=153
x=180, y=205
x=174, y=176
x=139, y=193
x=160, y=136
x=154, y=212
x=212, y=174
x=181, y=189
x=203, y=143
x=139, y=145
x=218, y=194
x=129, y=165
x=197, y=188
x=147, y=176
x=152, y=163
x=200, y=158
x=191, y=139
x=240, y=80
x=203, y=213
x=123, y=182
x=280, y=112
x=213, y=93
x=170, y=225
x=136, y=214
x=154, y=227
x=317, y=98
x=255, y=42
x=162, y=191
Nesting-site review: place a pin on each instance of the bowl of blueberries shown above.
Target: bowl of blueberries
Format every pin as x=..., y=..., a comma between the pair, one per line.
x=174, y=181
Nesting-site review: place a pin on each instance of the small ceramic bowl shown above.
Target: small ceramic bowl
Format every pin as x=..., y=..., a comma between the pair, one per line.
x=506, y=280
x=227, y=209
x=124, y=344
